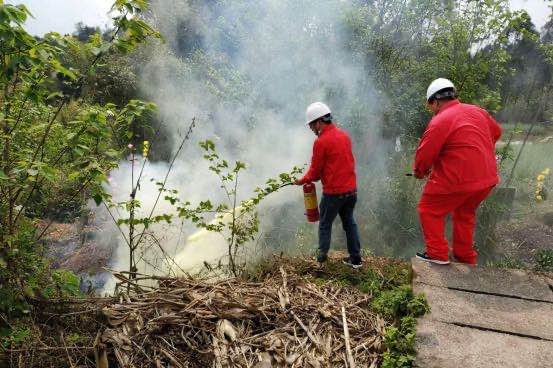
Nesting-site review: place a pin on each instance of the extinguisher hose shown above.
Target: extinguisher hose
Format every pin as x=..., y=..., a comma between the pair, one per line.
x=285, y=185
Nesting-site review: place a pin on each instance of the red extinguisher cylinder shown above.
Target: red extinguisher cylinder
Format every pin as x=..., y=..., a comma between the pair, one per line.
x=310, y=200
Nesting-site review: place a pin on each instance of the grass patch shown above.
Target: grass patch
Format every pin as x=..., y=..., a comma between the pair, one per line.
x=544, y=260
x=506, y=262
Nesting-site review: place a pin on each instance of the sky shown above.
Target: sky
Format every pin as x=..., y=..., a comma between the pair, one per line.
x=62, y=15
x=538, y=9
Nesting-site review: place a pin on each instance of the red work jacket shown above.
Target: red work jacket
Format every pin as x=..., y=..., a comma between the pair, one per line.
x=458, y=150
x=332, y=162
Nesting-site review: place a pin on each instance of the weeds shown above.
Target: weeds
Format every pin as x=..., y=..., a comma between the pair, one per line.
x=400, y=301
x=400, y=342
x=18, y=335
x=402, y=306
x=63, y=284
x=544, y=260
x=505, y=262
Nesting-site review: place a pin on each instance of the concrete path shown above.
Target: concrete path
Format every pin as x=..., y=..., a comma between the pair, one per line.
x=484, y=317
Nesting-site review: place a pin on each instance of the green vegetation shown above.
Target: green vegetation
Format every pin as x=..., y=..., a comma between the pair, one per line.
x=400, y=342
x=57, y=146
x=544, y=260
x=505, y=262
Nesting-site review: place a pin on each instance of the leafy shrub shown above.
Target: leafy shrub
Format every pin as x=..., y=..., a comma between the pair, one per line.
x=17, y=336
x=21, y=271
x=401, y=338
x=394, y=360
x=400, y=301
x=400, y=342
x=400, y=304
x=63, y=284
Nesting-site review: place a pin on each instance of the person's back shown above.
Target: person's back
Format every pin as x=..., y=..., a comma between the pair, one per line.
x=338, y=174
x=466, y=161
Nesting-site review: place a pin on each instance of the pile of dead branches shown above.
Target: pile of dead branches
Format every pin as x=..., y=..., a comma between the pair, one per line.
x=284, y=321
x=290, y=313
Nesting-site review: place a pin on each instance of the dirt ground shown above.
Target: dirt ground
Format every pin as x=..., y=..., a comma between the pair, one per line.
x=526, y=234
x=82, y=248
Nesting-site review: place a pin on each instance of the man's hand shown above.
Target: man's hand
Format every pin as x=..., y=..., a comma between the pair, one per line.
x=297, y=182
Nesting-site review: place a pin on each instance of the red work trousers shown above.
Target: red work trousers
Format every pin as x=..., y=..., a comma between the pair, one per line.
x=433, y=209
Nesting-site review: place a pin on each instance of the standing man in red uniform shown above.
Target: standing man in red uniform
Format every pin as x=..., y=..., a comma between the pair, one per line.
x=457, y=153
x=333, y=163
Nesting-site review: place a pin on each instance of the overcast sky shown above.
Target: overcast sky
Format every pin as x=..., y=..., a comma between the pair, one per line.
x=62, y=15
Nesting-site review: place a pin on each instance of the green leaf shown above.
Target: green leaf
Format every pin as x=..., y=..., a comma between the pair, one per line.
x=97, y=199
x=49, y=173
x=74, y=175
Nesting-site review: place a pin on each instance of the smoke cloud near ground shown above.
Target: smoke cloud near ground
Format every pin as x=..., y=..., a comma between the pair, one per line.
x=246, y=70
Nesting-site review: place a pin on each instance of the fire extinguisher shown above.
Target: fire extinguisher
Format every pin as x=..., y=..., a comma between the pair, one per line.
x=311, y=205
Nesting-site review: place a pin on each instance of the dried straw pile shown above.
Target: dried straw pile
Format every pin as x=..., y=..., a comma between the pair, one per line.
x=288, y=313
x=284, y=321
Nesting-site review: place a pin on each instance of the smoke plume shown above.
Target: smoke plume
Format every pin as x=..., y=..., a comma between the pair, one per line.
x=246, y=70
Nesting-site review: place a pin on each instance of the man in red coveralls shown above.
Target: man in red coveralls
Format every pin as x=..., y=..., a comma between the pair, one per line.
x=333, y=163
x=457, y=153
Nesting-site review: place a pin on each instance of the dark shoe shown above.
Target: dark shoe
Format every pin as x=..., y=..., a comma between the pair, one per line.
x=322, y=257
x=427, y=258
x=352, y=263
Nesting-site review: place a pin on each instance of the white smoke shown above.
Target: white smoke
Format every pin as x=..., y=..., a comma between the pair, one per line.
x=261, y=63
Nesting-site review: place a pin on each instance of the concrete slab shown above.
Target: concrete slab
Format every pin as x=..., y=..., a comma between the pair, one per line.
x=517, y=283
x=516, y=316
x=441, y=345
x=484, y=317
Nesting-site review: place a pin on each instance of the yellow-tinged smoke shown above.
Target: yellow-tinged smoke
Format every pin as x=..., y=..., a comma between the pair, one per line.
x=210, y=247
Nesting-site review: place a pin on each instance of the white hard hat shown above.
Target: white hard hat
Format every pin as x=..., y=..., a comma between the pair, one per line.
x=438, y=85
x=314, y=111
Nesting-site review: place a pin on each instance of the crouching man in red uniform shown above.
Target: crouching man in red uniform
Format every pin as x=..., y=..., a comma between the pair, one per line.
x=457, y=153
x=333, y=163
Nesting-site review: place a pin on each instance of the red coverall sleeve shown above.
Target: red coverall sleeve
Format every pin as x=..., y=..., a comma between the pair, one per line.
x=429, y=148
x=317, y=161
